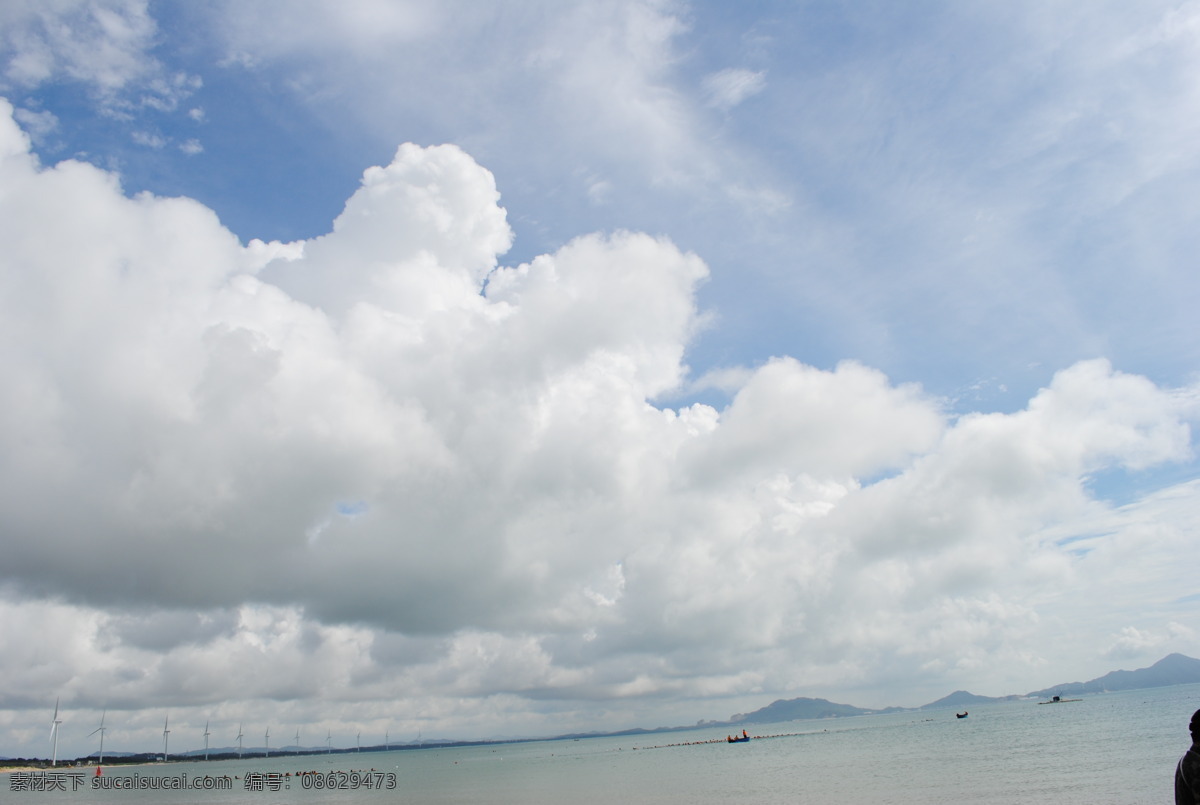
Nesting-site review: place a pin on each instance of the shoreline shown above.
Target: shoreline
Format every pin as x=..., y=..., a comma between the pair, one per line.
x=74, y=768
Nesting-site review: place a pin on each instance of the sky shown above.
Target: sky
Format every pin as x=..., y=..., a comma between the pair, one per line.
x=423, y=369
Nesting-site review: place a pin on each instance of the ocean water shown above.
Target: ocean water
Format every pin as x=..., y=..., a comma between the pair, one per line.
x=1114, y=748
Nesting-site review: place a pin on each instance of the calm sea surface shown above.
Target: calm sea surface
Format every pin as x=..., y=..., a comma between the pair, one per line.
x=1110, y=748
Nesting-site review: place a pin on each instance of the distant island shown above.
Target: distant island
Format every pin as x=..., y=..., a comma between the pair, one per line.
x=1174, y=669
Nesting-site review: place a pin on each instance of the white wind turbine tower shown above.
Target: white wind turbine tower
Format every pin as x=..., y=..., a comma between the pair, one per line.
x=360, y=742
x=54, y=722
x=328, y=742
x=239, y=740
x=267, y=741
x=297, y=737
x=206, y=734
x=387, y=741
x=100, y=730
x=166, y=732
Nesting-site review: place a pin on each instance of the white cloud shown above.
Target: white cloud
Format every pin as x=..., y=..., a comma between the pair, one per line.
x=598, y=84
x=149, y=139
x=104, y=44
x=362, y=26
x=380, y=466
x=729, y=87
x=1136, y=643
x=39, y=125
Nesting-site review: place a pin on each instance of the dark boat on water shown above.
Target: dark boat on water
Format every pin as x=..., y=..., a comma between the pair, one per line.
x=1060, y=700
x=961, y=715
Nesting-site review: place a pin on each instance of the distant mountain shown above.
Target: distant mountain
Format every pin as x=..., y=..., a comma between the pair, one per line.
x=1174, y=669
x=961, y=698
x=802, y=708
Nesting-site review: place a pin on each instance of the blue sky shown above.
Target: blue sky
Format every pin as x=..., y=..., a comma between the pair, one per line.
x=952, y=195
x=882, y=312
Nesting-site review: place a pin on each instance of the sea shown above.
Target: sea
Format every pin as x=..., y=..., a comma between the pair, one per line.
x=1106, y=748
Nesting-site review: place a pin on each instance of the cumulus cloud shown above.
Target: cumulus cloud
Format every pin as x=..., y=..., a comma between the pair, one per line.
x=425, y=477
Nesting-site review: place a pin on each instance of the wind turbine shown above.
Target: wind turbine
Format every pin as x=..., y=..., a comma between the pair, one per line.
x=360, y=742
x=328, y=742
x=297, y=737
x=100, y=730
x=54, y=722
x=239, y=740
x=166, y=732
x=387, y=741
x=267, y=740
x=206, y=734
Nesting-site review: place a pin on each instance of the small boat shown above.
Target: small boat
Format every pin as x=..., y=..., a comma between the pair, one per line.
x=960, y=715
x=744, y=739
x=1059, y=700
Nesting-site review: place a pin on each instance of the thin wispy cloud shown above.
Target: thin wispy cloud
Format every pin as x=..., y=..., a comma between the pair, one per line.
x=731, y=86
